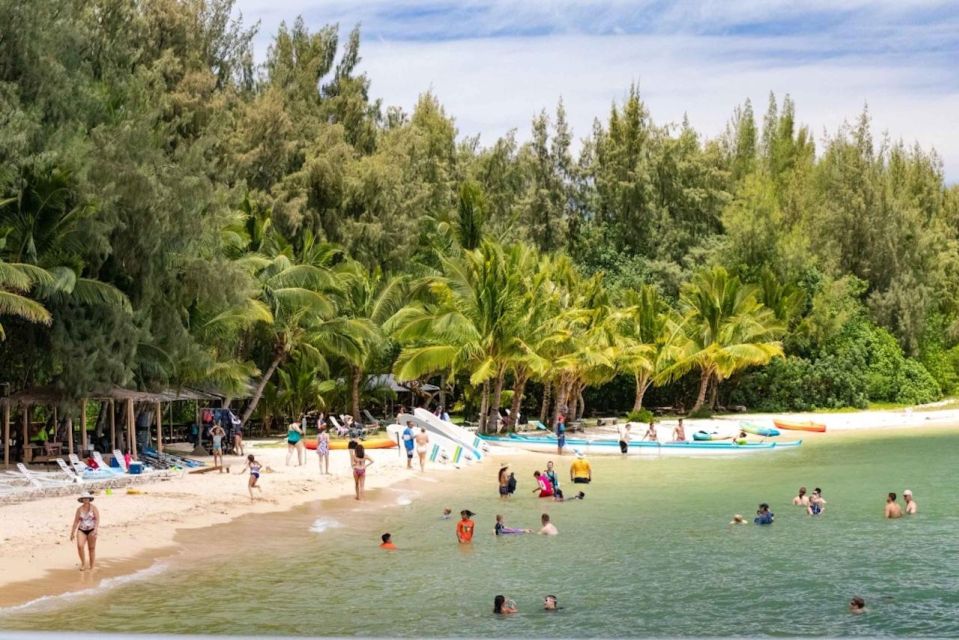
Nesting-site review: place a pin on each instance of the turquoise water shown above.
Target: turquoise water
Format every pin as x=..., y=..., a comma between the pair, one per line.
x=648, y=553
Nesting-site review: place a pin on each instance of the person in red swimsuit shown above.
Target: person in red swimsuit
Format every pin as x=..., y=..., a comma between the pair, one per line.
x=465, y=527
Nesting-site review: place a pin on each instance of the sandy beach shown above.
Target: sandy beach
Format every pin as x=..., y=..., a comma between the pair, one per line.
x=139, y=529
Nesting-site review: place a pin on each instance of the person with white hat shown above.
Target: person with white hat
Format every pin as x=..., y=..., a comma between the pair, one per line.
x=580, y=472
x=86, y=524
x=911, y=505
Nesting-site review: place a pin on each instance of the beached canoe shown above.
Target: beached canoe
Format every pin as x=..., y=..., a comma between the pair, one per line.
x=642, y=447
x=808, y=425
x=759, y=430
x=703, y=436
x=373, y=443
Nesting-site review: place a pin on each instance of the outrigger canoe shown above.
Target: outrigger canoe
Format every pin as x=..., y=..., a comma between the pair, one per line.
x=374, y=443
x=640, y=447
x=808, y=425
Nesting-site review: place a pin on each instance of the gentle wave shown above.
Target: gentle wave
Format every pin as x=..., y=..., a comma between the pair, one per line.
x=104, y=585
x=324, y=524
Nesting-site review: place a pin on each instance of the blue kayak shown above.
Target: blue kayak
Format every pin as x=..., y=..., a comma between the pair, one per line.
x=759, y=430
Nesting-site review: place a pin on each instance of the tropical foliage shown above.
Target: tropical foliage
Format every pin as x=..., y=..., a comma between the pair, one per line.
x=173, y=213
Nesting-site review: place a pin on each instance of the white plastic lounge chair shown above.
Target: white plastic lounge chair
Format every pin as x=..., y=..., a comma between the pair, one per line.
x=340, y=429
x=103, y=466
x=68, y=472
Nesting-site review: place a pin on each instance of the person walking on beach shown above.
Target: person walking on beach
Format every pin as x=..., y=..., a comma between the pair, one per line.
x=217, y=433
x=360, y=463
x=465, y=527
x=501, y=529
x=580, y=472
x=801, y=500
x=294, y=437
x=624, y=437
x=679, y=433
x=408, y=443
x=503, y=480
x=892, y=507
x=549, y=529
x=254, y=468
x=323, y=449
x=911, y=506
x=86, y=524
x=422, y=446
x=560, y=434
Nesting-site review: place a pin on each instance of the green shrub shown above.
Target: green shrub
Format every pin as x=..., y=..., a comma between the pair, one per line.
x=701, y=413
x=644, y=416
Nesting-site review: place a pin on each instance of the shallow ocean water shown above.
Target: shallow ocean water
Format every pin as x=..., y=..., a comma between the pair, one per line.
x=649, y=552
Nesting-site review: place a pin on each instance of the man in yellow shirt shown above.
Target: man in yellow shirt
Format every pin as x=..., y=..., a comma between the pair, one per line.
x=580, y=472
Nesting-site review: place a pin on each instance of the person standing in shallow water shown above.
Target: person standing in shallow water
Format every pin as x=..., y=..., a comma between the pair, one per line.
x=801, y=500
x=465, y=527
x=892, y=507
x=911, y=506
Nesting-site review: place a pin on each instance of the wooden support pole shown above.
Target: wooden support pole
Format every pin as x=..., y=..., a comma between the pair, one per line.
x=6, y=433
x=131, y=429
x=25, y=419
x=159, y=412
x=113, y=426
x=83, y=426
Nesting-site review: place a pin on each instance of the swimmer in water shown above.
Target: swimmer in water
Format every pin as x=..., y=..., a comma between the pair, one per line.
x=738, y=519
x=892, y=507
x=504, y=606
x=447, y=513
x=911, y=506
x=549, y=529
x=802, y=500
x=502, y=530
x=387, y=542
x=857, y=605
x=550, y=604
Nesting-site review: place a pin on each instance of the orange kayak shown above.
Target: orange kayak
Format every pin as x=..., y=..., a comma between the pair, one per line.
x=800, y=426
x=374, y=443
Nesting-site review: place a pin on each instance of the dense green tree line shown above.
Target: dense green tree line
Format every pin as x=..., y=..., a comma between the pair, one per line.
x=172, y=213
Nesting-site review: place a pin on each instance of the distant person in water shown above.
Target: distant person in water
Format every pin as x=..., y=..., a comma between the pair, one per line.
x=801, y=500
x=447, y=513
x=892, y=507
x=465, y=527
x=911, y=506
x=580, y=472
x=387, y=542
x=857, y=605
x=550, y=604
x=738, y=519
x=549, y=529
x=504, y=606
x=764, y=515
x=502, y=530
x=651, y=433
x=544, y=486
x=679, y=433
x=624, y=436
x=503, y=480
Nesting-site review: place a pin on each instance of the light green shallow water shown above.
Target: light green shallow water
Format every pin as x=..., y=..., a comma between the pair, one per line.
x=648, y=553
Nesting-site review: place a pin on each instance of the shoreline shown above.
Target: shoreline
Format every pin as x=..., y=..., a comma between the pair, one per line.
x=141, y=530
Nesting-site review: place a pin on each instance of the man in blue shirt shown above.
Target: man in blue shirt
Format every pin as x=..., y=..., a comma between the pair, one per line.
x=408, y=443
x=764, y=515
x=560, y=434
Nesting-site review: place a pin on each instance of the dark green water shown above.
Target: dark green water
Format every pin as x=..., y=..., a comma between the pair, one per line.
x=648, y=553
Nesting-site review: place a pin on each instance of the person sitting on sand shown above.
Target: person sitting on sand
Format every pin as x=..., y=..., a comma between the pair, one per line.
x=892, y=507
x=544, y=486
x=857, y=605
x=504, y=606
x=738, y=519
x=254, y=467
x=549, y=529
x=911, y=506
x=764, y=515
x=465, y=527
x=580, y=472
x=651, y=433
x=679, y=433
x=387, y=542
x=86, y=524
x=801, y=500
x=502, y=530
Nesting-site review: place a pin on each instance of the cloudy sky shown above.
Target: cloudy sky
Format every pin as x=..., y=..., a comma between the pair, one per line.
x=494, y=64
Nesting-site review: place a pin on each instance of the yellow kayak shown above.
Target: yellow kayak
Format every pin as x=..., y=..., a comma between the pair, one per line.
x=373, y=443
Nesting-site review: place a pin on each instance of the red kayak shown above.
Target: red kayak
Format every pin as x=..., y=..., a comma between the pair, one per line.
x=801, y=426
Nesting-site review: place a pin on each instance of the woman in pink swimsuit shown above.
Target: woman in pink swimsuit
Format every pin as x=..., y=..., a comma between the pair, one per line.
x=360, y=463
x=86, y=524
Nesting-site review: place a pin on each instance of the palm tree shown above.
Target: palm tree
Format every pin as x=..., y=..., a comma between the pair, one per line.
x=725, y=329
x=370, y=298
x=647, y=338
x=468, y=321
x=16, y=279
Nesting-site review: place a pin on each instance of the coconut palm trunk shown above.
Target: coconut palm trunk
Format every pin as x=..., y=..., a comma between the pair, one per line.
x=356, y=380
x=497, y=397
x=261, y=385
x=519, y=386
x=544, y=408
x=642, y=384
x=703, y=386
x=484, y=408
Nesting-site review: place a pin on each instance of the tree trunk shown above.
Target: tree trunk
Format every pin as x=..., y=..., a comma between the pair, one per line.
x=547, y=391
x=519, y=386
x=642, y=384
x=443, y=391
x=713, y=393
x=484, y=407
x=561, y=398
x=356, y=378
x=582, y=404
x=261, y=385
x=497, y=397
x=703, y=383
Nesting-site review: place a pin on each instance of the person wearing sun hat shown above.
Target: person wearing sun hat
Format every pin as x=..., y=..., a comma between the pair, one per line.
x=86, y=524
x=911, y=506
x=580, y=472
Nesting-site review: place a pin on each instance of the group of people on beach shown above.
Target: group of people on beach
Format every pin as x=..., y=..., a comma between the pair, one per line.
x=652, y=435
